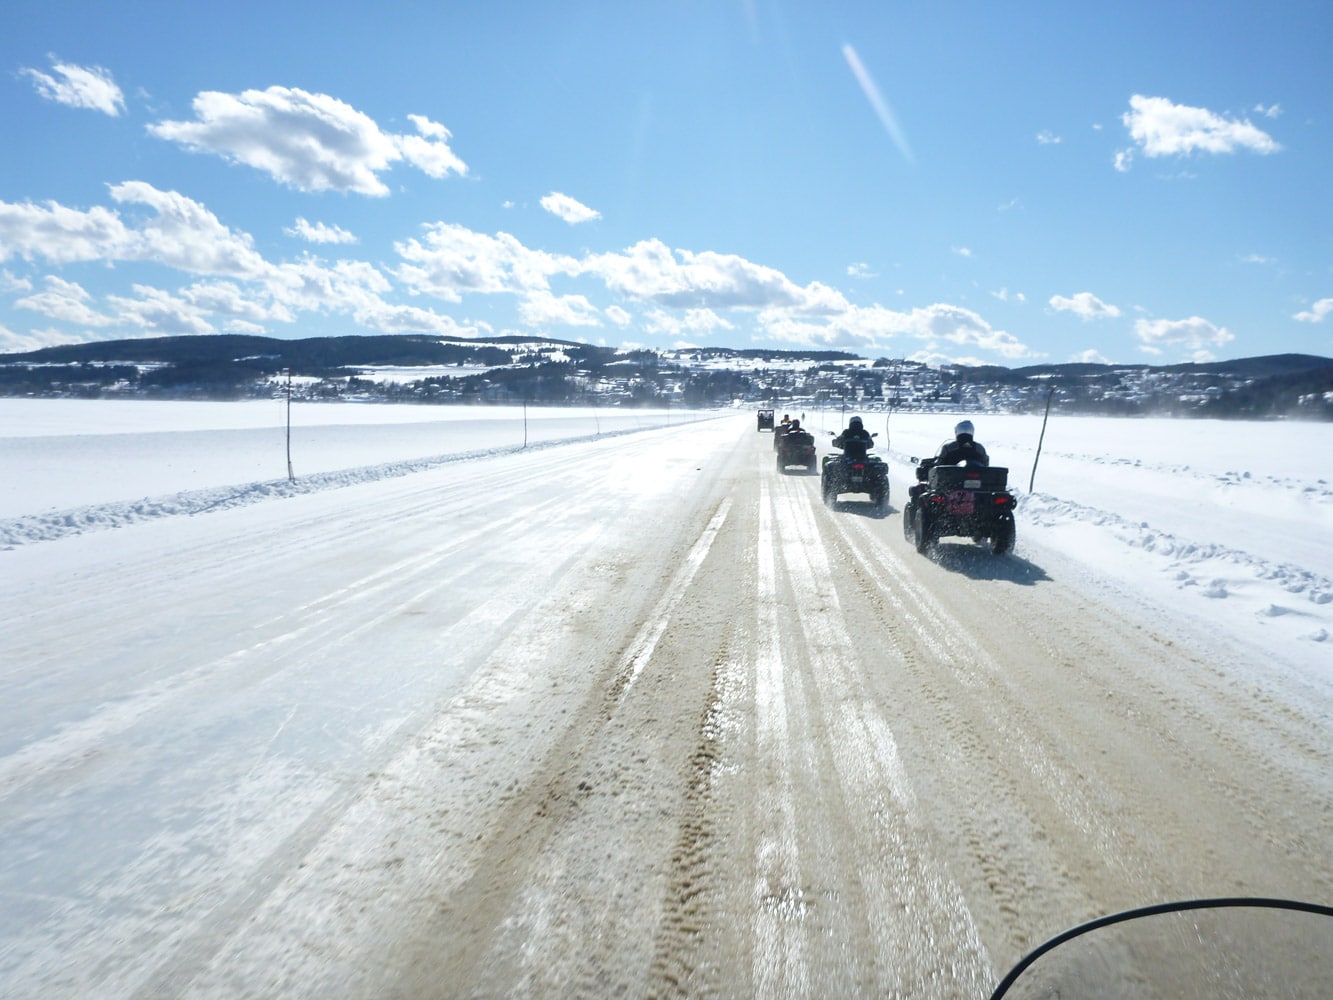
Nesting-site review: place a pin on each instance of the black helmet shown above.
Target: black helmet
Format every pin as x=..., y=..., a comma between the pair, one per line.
x=855, y=422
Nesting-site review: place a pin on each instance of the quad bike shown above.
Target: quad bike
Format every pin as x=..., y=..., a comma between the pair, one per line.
x=973, y=501
x=855, y=474
x=1230, y=947
x=796, y=448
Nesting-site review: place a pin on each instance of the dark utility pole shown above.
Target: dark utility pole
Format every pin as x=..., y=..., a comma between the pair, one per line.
x=1050, y=391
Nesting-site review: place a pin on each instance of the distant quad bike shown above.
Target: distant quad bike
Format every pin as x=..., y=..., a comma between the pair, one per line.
x=765, y=420
x=796, y=448
x=960, y=500
x=854, y=474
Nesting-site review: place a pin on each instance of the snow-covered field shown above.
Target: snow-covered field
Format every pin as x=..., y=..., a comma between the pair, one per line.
x=71, y=465
x=223, y=693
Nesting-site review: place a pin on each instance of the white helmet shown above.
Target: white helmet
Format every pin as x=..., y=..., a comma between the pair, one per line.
x=963, y=427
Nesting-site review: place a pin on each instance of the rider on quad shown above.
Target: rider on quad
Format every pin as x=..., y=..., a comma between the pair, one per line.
x=962, y=450
x=855, y=441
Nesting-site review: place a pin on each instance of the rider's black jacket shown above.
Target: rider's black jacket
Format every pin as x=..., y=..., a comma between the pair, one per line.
x=854, y=442
x=957, y=452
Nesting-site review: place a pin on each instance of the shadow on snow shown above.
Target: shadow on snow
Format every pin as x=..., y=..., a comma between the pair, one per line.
x=979, y=563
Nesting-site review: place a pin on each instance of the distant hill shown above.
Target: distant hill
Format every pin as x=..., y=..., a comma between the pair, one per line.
x=273, y=354
x=1272, y=364
x=540, y=369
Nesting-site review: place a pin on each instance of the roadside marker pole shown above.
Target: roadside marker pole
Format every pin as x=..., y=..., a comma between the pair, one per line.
x=1050, y=391
x=291, y=476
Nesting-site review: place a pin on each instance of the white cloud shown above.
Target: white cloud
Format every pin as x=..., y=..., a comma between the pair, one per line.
x=244, y=328
x=154, y=311
x=79, y=87
x=386, y=317
x=1048, y=138
x=318, y=232
x=11, y=283
x=184, y=234
x=1194, y=333
x=312, y=142
x=1161, y=128
x=860, y=269
x=1090, y=357
x=227, y=299
x=35, y=340
x=429, y=151
x=962, y=251
x=876, y=327
x=690, y=322
x=651, y=271
x=451, y=259
x=1085, y=305
x=541, y=308
x=569, y=209
x=1316, y=313
x=242, y=289
x=962, y=326
x=313, y=285
x=66, y=302
x=1271, y=111
x=62, y=235
x=618, y=316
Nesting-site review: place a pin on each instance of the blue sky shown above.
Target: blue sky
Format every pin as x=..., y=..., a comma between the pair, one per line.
x=999, y=183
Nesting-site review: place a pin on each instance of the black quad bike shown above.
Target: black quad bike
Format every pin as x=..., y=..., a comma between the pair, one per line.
x=796, y=448
x=855, y=474
x=973, y=501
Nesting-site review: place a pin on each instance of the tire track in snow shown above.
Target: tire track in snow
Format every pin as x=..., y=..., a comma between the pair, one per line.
x=779, y=904
x=641, y=650
x=912, y=905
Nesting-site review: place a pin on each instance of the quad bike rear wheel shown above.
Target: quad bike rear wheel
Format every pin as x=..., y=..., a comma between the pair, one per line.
x=921, y=530
x=1002, y=540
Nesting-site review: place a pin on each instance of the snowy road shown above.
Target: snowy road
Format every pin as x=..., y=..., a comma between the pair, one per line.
x=635, y=716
